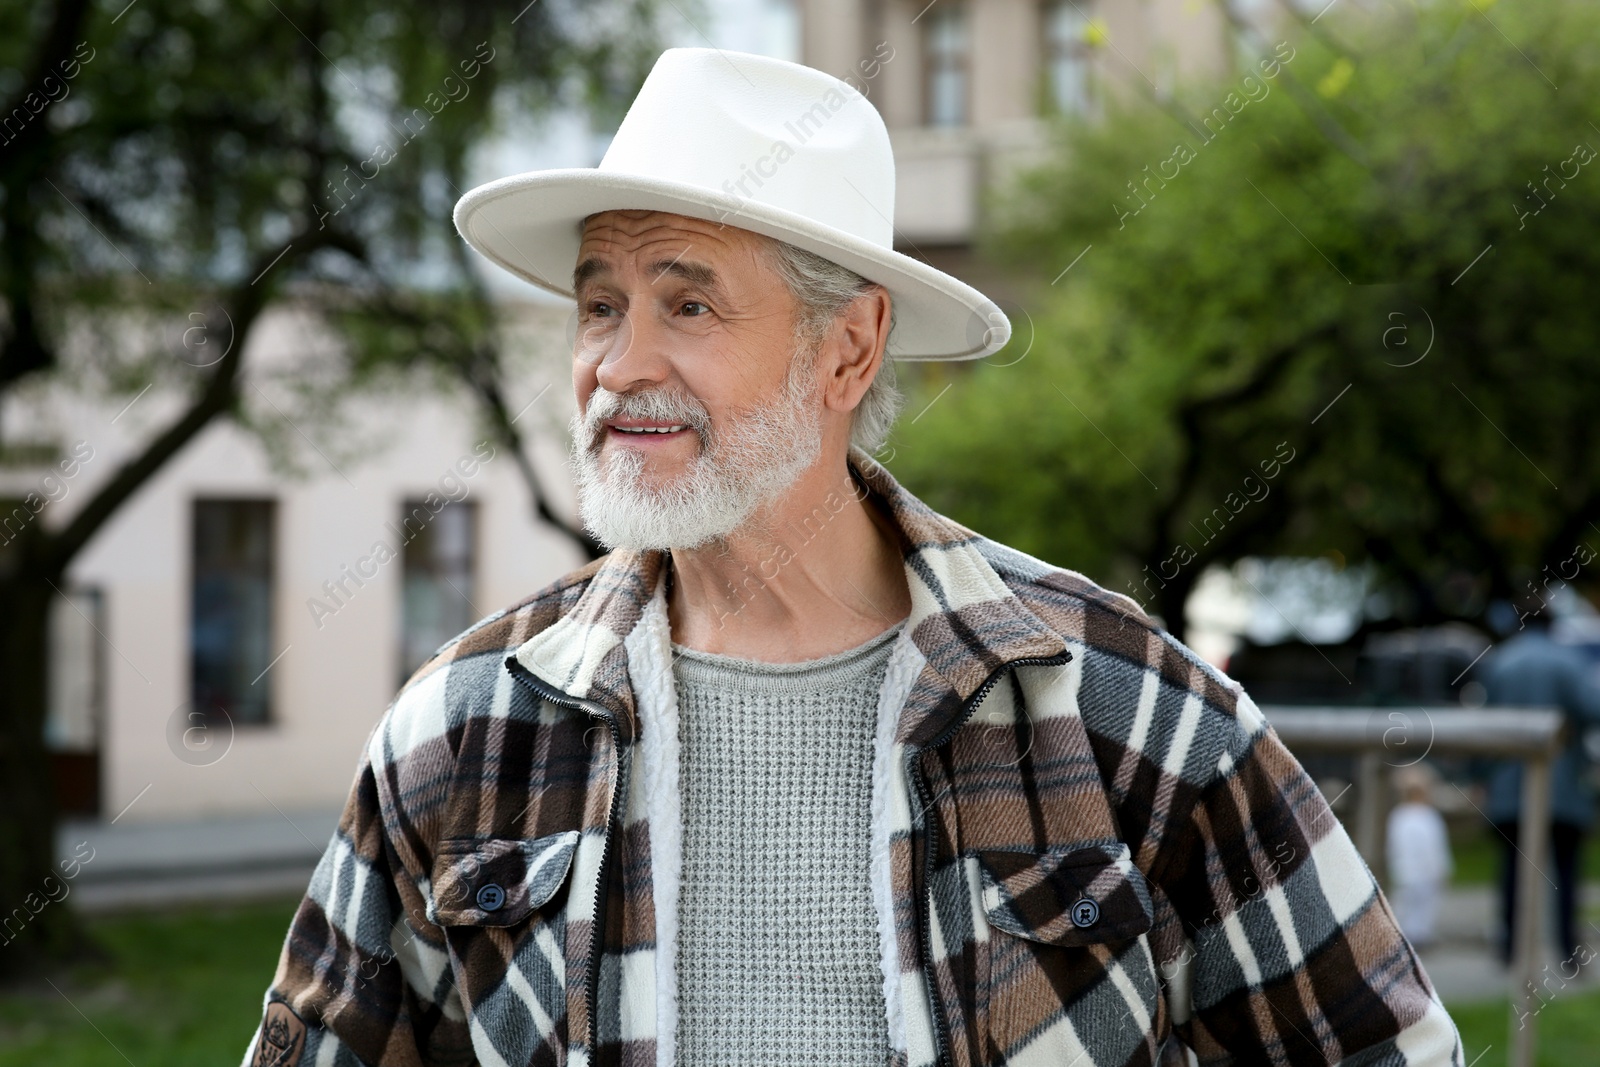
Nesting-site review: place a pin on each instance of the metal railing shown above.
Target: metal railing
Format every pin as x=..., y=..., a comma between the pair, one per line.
x=1530, y=735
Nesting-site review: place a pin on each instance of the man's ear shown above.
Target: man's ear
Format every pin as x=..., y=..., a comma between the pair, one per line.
x=858, y=339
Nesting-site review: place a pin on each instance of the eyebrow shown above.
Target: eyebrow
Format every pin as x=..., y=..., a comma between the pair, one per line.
x=699, y=274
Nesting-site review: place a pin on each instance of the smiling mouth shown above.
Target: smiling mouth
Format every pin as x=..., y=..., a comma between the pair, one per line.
x=650, y=429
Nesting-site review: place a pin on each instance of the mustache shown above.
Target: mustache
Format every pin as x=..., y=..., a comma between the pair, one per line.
x=655, y=404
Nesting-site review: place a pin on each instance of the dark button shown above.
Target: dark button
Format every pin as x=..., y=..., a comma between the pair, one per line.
x=1085, y=912
x=490, y=897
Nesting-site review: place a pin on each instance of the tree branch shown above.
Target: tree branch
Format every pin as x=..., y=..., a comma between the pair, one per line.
x=1190, y=416
x=219, y=395
x=1312, y=108
x=65, y=30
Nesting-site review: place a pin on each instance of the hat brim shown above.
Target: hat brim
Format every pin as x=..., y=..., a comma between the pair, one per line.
x=529, y=224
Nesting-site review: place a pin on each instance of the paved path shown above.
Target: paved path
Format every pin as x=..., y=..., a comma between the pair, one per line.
x=1463, y=966
x=223, y=858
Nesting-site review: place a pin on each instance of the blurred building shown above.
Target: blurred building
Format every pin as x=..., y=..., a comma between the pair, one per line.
x=225, y=644
x=228, y=641
x=968, y=88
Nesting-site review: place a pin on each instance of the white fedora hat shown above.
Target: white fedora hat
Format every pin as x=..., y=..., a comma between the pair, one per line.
x=765, y=145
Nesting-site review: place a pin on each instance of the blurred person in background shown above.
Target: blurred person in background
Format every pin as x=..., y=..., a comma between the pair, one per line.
x=1530, y=669
x=1418, y=846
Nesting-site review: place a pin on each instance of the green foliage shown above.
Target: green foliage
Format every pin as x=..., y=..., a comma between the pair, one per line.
x=1261, y=245
x=193, y=142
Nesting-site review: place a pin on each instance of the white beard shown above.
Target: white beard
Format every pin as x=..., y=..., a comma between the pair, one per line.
x=746, y=462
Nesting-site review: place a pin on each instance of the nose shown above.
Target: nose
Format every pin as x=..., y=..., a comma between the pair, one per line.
x=634, y=354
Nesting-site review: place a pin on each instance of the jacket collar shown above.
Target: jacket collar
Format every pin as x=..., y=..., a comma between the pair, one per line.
x=964, y=619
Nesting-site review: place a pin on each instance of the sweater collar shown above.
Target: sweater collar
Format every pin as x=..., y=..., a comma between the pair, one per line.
x=964, y=619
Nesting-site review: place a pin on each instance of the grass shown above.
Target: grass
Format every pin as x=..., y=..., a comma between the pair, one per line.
x=183, y=989
x=1568, y=1030
x=1477, y=857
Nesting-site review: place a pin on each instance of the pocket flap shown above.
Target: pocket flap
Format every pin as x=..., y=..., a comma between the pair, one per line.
x=1066, y=896
x=497, y=881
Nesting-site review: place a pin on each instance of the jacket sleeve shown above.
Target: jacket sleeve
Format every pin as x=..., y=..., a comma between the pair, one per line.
x=363, y=977
x=1290, y=953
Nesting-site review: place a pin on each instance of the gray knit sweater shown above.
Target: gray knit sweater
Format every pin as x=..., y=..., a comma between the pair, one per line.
x=778, y=958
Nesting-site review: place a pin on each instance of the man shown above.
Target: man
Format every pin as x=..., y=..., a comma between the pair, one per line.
x=803, y=772
x=1530, y=669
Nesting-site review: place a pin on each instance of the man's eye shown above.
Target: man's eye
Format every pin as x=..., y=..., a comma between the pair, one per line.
x=599, y=308
x=694, y=308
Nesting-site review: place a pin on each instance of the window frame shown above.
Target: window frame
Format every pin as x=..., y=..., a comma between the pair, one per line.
x=270, y=717
x=1053, y=49
x=959, y=10
x=408, y=504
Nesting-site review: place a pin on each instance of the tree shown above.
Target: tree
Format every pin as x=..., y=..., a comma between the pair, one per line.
x=169, y=165
x=1339, y=305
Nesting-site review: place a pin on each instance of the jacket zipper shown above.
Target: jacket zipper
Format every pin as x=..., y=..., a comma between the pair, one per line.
x=931, y=835
x=594, y=710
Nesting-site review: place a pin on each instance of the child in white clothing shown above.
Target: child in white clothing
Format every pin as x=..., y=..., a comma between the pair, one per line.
x=1419, y=861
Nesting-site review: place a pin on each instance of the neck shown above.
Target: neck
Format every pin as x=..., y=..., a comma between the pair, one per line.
x=818, y=572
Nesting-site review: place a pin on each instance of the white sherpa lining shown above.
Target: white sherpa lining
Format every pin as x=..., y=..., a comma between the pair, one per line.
x=905, y=664
x=649, y=648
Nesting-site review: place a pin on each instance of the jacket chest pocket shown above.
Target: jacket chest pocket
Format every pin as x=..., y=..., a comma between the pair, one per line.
x=1069, y=968
x=501, y=904
x=497, y=881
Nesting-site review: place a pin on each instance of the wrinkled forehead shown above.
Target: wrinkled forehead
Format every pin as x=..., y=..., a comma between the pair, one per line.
x=616, y=234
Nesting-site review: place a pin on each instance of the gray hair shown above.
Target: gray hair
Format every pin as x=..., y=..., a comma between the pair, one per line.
x=824, y=289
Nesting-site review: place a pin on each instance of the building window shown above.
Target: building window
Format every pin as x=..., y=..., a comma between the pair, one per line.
x=439, y=558
x=73, y=721
x=1068, y=52
x=231, y=620
x=945, y=58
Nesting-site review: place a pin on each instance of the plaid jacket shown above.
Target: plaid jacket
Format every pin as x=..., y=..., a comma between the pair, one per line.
x=1088, y=846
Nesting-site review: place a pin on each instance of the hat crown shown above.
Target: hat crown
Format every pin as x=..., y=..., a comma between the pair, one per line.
x=760, y=144
x=755, y=130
